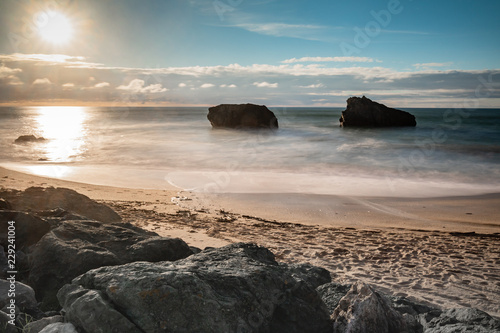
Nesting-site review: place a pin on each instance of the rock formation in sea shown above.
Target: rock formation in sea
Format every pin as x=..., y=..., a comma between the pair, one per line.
x=363, y=112
x=242, y=116
x=28, y=138
x=115, y=277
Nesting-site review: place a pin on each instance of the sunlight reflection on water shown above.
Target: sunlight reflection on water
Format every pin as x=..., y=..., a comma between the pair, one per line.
x=65, y=131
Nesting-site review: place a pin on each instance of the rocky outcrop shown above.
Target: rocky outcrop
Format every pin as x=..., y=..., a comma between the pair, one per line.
x=27, y=139
x=362, y=309
x=363, y=112
x=236, y=288
x=74, y=247
x=461, y=321
x=242, y=116
x=40, y=198
x=25, y=296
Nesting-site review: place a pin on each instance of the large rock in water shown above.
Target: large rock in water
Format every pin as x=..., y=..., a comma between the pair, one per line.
x=363, y=112
x=242, y=116
x=75, y=247
x=40, y=198
x=236, y=288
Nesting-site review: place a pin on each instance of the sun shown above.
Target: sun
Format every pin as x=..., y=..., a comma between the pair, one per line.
x=56, y=29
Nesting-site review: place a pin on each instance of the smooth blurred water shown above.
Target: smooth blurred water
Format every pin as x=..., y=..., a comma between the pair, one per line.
x=150, y=146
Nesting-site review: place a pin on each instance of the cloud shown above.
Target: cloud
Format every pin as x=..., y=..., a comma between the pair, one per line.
x=42, y=81
x=207, y=85
x=101, y=85
x=300, y=31
x=294, y=83
x=265, y=85
x=313, y=86
x=432, y=64
x=327, y=59
x=137, y=86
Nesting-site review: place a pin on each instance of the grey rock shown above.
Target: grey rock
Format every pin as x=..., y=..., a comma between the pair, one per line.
x=27, y=139
x=314, y=276
x=59, y=328
x=236, y=288
x=363, y=112
x=29, y=229
x=49, y=198
x=332, y=293
x=25, y=295
x=5, y=327
x=362, y=309
x=88, y=310
x=75, y=247
x=242, y=116
x=461, y=321
x=37, y=326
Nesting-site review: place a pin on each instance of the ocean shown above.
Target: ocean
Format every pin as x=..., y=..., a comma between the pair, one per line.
x=450, y=152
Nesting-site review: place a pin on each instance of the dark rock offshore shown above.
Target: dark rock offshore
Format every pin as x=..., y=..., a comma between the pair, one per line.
x=242, y=116
x=27, y=139
x=363, y=112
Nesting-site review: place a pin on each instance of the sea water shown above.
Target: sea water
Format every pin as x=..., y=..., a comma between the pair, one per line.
x=449, y=152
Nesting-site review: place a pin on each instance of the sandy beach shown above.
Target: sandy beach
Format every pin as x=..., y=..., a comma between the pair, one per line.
x=443, y=251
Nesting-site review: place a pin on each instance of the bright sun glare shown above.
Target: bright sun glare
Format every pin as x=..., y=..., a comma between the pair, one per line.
x=56, y=29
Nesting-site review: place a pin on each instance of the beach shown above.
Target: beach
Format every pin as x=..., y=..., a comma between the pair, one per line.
x=441, y=251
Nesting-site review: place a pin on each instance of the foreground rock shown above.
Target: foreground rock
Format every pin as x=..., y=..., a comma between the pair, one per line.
x=237, y=288
x=242, y=116
x=363, y=112
x=75, y=247
x=39, y=199
x=27, y=139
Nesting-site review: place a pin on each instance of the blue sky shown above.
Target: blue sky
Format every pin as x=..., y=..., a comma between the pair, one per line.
x=274, y=52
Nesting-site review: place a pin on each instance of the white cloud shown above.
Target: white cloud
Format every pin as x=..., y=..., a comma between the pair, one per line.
x=265, y=85
x=102, y=85
x=313, y=86
x=6, y=71
x=207, y=85
x=42, y=81
x=68, y=86
x=137, y=86
x=301, y=31
x=432, y=64
x=182, y=85
x=228, y=86
x=327, y=59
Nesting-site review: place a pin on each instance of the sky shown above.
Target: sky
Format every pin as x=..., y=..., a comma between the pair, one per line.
x=404, y=53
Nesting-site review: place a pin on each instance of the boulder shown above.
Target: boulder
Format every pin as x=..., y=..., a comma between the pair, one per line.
x=29, y=229
x=25, y=296
x=49, y=198
x=60, y=328
x=362, y=309
x=242, y=116
x=39, y=325
x=461, y=321
x=331, y=293
x=236, y=288
x=363, y=112
x=314, y=276
x=27, y=139
x=74, y=247
x=5, y=326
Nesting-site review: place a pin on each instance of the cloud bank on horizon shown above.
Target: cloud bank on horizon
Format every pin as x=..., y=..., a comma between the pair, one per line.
x=270, y=52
